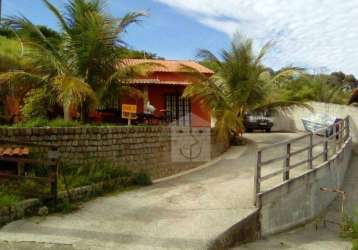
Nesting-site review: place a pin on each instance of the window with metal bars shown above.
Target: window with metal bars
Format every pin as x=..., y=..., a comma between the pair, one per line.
x=111, y=104
x=179, y=109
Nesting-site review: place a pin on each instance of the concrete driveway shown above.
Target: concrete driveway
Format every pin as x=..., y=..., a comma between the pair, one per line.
x=187, y=212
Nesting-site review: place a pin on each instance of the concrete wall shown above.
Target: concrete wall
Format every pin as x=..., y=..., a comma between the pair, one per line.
x=300, y=199
x=136, y=148
x=291, y=121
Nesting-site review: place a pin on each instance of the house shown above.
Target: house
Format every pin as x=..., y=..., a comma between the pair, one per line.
x=162, y=89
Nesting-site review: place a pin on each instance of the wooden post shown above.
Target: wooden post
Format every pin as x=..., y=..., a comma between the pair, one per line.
x=54, y=179
x=257, y=176
x=286, y=165
x=310, y=152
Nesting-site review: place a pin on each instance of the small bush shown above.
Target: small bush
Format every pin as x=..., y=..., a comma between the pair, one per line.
x=64, y=207
x=32, y=123
x=7, y=198
x=355, y=245
x=142, y=179
x=350, y=229
x=82, y=175
x=37, y=104
x=60, y=123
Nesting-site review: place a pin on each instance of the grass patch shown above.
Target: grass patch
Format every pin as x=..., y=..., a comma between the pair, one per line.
x=64, y=207
x=40, y=122
x=7, y=198
x=83, y=175
x=142, y=179
x=61, y=123
x=350, y=229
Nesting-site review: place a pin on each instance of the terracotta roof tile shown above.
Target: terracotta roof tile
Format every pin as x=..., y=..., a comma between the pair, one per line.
x=170, y=65
x=157, y=81
x=14, y=151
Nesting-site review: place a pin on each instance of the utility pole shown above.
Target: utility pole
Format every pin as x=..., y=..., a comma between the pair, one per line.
x=0, y=11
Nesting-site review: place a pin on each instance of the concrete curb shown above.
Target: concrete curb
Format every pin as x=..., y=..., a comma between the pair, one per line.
x=200, y=167
x=246, y=230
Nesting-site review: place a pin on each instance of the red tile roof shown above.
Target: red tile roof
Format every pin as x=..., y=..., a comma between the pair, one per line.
x=170, y=65
x=157, y=81
x=14, y=151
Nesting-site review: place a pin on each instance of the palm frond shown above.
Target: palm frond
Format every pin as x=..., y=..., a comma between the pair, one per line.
x=72, y=90
x=130, y=18
x=58, y=15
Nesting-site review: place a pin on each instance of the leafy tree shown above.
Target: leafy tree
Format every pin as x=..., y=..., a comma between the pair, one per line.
x=315, y=88
x=82, y=69
x=354, y=97
x=240, y=85
x=137, y=54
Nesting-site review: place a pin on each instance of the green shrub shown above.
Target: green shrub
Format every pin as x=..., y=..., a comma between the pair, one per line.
x=350, y=229
x=142, y=179
x=82, y=175
x=32, y=123
x=355, y=245
x=64, y=207
x=7, y=198
x=37, y=104
x=60, y=123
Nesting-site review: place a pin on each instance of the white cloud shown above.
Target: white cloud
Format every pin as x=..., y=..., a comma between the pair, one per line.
x=310, y=33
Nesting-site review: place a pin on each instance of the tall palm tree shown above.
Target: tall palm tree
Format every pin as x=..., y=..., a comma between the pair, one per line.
x=240, y=85
x=82, y=69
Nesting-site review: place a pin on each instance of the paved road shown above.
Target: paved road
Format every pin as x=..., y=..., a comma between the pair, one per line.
x=182, y=213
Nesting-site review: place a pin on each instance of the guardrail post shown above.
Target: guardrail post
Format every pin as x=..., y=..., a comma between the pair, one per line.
x=310, y=152
x=334, y=136
x=325, y=145
x=342, y=133
x=257, y=176
x=286, y=165
x=347, y=127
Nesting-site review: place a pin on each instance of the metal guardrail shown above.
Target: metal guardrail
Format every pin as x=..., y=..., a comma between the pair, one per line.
x=337, y=133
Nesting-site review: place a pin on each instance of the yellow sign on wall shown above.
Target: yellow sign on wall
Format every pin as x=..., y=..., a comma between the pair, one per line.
x=129, y=111
x=129, y=108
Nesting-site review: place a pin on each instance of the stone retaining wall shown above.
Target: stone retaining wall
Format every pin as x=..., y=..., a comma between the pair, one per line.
x=136, y=148
x=19, y=210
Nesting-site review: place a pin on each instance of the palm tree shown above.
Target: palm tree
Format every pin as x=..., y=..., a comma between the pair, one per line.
x=240, y=85
x=82, y=69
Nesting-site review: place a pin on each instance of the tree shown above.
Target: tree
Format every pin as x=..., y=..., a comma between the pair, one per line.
x=354, y=97
x=240, y=85
x=315, y=88
x=83, y=67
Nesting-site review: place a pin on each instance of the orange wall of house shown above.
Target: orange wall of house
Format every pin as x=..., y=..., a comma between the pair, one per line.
x=200, y=116
x=12, y=107
x=157, y=92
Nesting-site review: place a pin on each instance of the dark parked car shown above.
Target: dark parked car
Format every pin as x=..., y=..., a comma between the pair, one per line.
x=258, y=121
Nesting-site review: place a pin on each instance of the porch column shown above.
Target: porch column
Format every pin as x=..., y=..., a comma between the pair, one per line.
x=145, y=97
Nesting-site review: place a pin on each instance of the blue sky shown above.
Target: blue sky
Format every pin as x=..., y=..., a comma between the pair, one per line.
x=165, y=31
x=321, y=35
